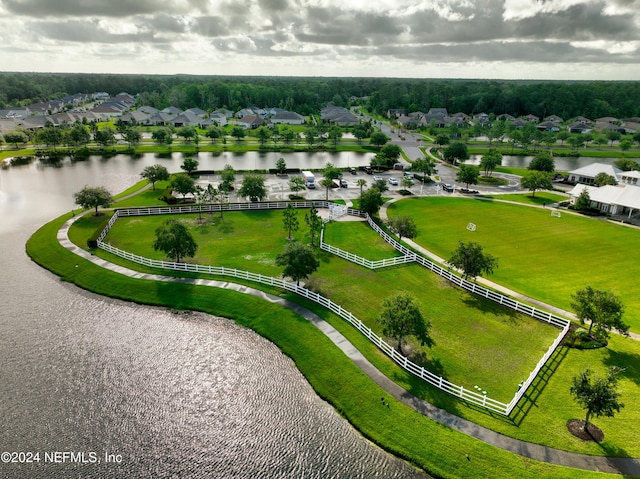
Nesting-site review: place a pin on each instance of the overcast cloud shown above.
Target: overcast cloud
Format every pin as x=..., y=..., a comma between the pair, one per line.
x=547, y=39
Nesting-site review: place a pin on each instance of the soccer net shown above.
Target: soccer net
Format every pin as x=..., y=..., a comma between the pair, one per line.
x=471, y=226
x=556, y=213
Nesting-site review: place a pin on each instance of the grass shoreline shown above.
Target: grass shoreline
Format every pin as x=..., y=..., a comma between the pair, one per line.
x=424, y=443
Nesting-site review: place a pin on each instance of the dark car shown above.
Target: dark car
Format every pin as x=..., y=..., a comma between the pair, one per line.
x=368, y=170
x=448, y=188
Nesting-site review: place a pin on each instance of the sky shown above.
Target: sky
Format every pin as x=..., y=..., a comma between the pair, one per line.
x=488, y=39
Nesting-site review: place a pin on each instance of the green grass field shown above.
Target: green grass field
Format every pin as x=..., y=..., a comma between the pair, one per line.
x=544, y=257
x=541, y=418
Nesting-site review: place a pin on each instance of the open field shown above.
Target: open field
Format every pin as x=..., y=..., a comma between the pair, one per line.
x=468, y=331
x=544, y=257
x=462, y=350
x=401, y=431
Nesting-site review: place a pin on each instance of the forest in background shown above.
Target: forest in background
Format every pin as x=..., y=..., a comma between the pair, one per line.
x=307, y=95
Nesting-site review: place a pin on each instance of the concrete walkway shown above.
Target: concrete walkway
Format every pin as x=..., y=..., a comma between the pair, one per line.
x=615, y=465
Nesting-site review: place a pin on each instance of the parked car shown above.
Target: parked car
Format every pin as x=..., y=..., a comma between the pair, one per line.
x=377, y=178
x=368, y=170
x=408, y=175
x=448, y=188
x=393, y=181
x=344, y=184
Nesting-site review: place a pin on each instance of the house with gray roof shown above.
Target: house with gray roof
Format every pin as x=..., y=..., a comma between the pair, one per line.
x=287, y=117
x=620, y=200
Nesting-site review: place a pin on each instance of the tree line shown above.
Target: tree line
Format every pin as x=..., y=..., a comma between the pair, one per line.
x=592, y=99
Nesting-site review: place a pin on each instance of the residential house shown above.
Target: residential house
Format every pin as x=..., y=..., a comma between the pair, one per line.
x=553, y=118
x=250, y=121
x=395, y=113
x=532, y=118
x=287, y=117
x=580, y=127
x=548, y=125
x=338, y=115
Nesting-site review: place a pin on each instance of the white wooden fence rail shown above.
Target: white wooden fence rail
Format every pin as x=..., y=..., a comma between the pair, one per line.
x=408, y=256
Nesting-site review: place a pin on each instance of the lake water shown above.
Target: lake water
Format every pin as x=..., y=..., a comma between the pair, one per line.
x=147, y=392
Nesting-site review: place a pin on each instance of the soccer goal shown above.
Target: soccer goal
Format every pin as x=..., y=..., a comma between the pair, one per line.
x=556, y=213
x=471, y=226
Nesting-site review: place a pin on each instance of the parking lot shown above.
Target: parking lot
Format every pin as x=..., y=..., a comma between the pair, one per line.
x=278, y=186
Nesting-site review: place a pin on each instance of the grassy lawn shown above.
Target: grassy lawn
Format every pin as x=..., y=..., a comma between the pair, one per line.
x=358, y=238
x=398, y=429
x=242, y=240
x=476, y=341
x=541, y=256
x=541, y=198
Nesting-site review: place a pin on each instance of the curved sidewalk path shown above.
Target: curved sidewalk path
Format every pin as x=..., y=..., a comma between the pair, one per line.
x=614, y=465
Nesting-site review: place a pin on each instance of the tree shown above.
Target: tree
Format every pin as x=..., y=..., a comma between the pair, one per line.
x=311, y=135
x=92, y=197
x=79, y=135
x=227, y=178
x=602, y=179
x=378, y=138
x=391, y=151
x=490, y=161
x=174, y=239
x=442, y=139
x=360, y=132
x=335, y=134
x=361, y=183
x=472, y=260
x=105, y=136
x=155, y=173
x=326, y=183
x=161, y=135
x=281, y=166
x=331, y=172
x=299, y=262
x=50, y=136
x=297, y=183
x=468, y=174
x=426, y=166
x=188, y=132
x=290, y=220
x=583, y=201
x=403, y=226
x=253, y=187
x=602, y=309
x=542, y=162
x=263, y=133
x=189, y=165
x=213, y=132
x=625, y=164
x=370, y=201
x=314, y=222
x=237, y=132
x=401, y=317
x=456, y=151
x=613, y=135
x=132, y=135
x=15, y=136
x=536, y=180
x=380, y=185
x=600, y=396
x=183, y=184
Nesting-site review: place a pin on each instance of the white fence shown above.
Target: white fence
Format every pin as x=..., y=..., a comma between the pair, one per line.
x=408, y=256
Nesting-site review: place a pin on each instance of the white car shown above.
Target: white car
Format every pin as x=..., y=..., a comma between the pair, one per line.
x=393, y=181
x=377, y=178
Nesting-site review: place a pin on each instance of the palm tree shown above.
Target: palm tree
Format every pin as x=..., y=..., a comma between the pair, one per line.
x=361, y=183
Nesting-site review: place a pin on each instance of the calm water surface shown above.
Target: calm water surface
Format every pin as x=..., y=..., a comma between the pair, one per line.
x=163, y=394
